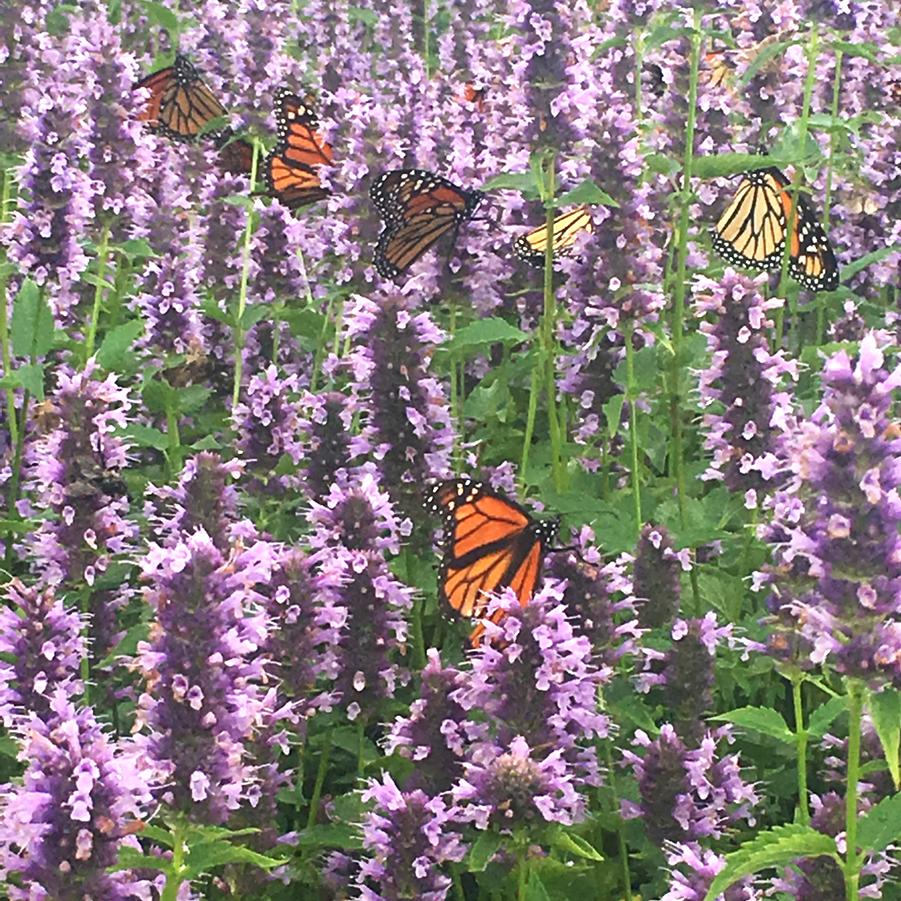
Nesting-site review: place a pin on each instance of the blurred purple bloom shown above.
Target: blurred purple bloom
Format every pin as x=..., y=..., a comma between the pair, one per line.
x=62, y=827
x=43, y=647
x=328, y=446
x=699, y=868
x=687, y=793
x=410, y=836
x=656, y=577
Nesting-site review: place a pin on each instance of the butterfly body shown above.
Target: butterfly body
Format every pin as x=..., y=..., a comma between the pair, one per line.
x=568, y=226
x=180, y=103
x=490, y=543
x=752, y=231
x=417, y=207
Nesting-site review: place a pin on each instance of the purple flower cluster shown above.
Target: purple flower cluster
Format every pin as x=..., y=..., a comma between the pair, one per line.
x=656, y=577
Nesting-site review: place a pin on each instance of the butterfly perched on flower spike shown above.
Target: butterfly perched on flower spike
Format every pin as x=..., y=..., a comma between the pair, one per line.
x=418, y=207
x=568, y=226
x=752, y=231
x=292, y=167
x=489, y=543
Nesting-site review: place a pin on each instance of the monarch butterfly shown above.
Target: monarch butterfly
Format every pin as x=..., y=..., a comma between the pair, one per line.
x=235, y=154
x=751, y=232
x=417, y=207
x=490, y=543
x=567, y=228
x=180, y=104
x=292, y=167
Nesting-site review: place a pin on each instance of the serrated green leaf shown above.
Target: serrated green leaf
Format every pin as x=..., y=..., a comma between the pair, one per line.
x=773, y=848
x=17, y=526
x=205, y=857
x=482, y=850
x=32, y=323
x=535, y=890
x=9, y=747
x=160, y=15
x=254, y=313
x=31, y=376
x=867, y=51
x=331, y=835
x=885, y=710
x=663, y=34
x=575, y=844
x=613, y=412
x=212, y=309
x=587, y=192
x=145, y=436
x=513, y=181
x=761, y=719
x=771, y=51
x=159, y=835
x=881, y=826
x=117, y=344
x=191, y=398
x=136, y=248
x=824, y=716
x=486, y=331
x=720, y=165
x=132, y=859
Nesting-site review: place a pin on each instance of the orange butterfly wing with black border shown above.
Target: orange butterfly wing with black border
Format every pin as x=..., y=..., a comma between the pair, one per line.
x=417, y=207
x=292, y=168
x=180, y=104
x=490, y=543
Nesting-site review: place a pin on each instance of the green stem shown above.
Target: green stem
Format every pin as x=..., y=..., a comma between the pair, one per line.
x=531, y=414
x=174, y=436
x=320, y=780
x=16, y=477
x=548, y=326
x=361, y=735
x=852, y=859
x=176, y=877
x=459, y=894
x=833, y=143
x=812, y=50
x=801, y=737
x=522, y=875
x=339, y=324
x=242, y=289
x=456, y=390
x=102, y=258
x=631, y=396
x=678, y=316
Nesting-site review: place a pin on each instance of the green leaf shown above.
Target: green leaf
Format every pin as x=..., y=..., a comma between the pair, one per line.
x=613, y=411
x=760, y=719
x=867, y=51
x=214, y=125
x=191, y=398
x=165, y=18
x=254, y=313
x=720, y=165
x=32, y=323
x=159, y=835
x=31, y=375
x=587, y=192
x=773, y=848
x=523, y=182
x=849, y=269
x=482, y=850
x=824, y=716
x=771, y=51
x=212, y=309
x=331, y=835
x=881, y=826
x=137, y=248
x=17, y=526
x=145, y=436
x=663, y=34
x=575, y=844
x=486, y=331
x=114, y=353
x=132, y=859
x=885, y=710
x=205, y=857
x=535, y=890
x=9, y=747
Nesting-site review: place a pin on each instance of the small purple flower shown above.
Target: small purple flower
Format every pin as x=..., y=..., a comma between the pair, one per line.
x=518, y=788
x=62, y=827
x=328, y=446
x=435, y=734
x=410, y=836
x=687, y=793
x=656, y=577
x=44, y=647
x=699, y=866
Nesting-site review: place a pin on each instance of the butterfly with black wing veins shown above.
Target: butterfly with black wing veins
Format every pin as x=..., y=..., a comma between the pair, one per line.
x=417, y=207
x=752, y=231
x=489, y=543
x=531, y=247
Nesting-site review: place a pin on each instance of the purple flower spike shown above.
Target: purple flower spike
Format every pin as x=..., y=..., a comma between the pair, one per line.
x=518, y=788
x=44, y=647
x=410, y=836
x=62, y=827
x=657, y=577
x=328, y=445
x=836, y=582
x=687, y=793
x=699, y=868
x=746, y=411
x=435, y=734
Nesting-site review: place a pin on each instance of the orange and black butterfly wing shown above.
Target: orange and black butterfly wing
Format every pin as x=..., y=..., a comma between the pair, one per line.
x=181, y=104
x=235, y=154
x=291, y=168
x=417, y=208
x=811, y=258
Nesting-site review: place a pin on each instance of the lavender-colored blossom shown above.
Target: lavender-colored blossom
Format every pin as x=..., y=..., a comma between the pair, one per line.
x=599, y=599
x=656, y=577
x=687, y=793
x=837, y=565
x=201, y=670
x=410, y=836
x=62, y=827
x=739, y=391
x=43, y=646
x=329, y=448
x=541, y=685
x=875, y=782
x=267, y=422
x=692, y=869
x=435, y=734
x=686, y=672
x=408, y=422
x=518, y=787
